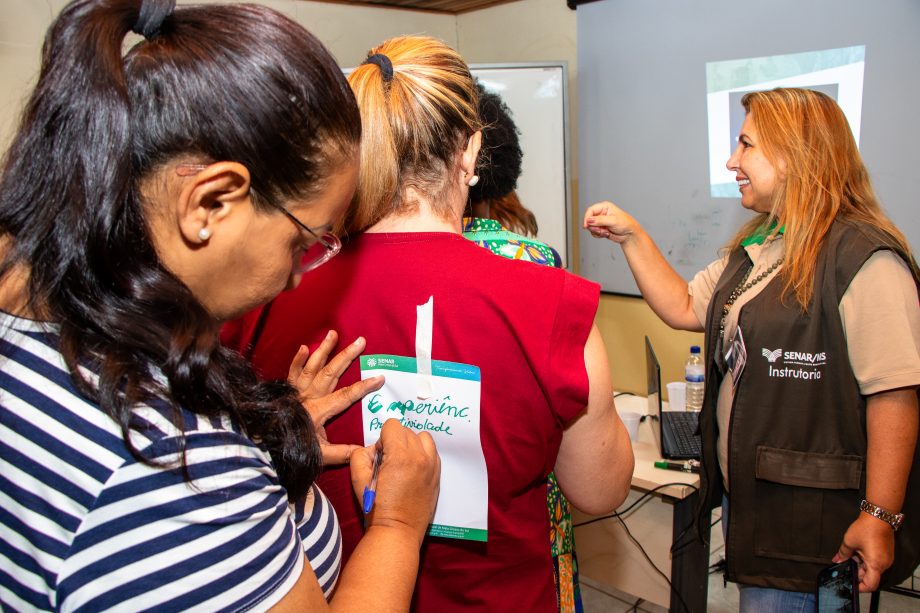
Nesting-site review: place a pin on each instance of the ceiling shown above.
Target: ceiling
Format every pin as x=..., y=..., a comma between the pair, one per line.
x=440, y=6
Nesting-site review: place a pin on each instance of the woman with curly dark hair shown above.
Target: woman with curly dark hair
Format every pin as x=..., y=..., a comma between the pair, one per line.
x=498, y=221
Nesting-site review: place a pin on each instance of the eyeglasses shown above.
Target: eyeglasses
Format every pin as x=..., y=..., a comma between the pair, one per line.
x=325, y=246
x=319, y=248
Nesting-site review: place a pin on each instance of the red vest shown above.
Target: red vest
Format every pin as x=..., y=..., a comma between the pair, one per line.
x=524, y=325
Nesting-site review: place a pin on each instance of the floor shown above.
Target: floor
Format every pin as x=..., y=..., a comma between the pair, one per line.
x=723, y=598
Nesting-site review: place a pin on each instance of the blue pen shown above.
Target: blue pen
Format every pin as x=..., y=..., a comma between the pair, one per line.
x=370, y=490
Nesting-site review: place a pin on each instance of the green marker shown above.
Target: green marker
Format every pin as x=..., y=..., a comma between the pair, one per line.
x=690, y=466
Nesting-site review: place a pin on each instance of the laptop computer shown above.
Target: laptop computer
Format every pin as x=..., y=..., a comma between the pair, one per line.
x=675, y=431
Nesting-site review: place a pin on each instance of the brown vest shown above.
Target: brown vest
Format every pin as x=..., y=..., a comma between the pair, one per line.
x=797, y=435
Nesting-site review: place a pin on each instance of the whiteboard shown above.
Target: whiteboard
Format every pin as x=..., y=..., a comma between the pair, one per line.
x=537, y=94
x=644, y=138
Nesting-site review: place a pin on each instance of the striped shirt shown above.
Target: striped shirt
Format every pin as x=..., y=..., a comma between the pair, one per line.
x=84, y=526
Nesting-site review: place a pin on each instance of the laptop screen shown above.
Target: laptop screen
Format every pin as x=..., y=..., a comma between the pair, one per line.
x=653, y=384
x=674, y=445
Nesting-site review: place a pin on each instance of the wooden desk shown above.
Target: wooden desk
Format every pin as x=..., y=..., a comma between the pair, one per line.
x=606, y=555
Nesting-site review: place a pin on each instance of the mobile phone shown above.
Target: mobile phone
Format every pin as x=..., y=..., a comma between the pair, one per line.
x=838, y=588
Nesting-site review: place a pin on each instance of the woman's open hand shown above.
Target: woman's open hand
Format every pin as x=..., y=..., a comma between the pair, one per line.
x=316, y=376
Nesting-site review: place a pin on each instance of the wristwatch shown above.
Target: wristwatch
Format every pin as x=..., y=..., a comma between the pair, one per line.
x=893, y=519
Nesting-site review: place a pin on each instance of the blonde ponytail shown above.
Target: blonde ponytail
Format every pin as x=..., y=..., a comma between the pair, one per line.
x=418, y=108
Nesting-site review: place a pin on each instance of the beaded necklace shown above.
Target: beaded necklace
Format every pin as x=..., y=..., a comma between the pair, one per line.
x=743, y=286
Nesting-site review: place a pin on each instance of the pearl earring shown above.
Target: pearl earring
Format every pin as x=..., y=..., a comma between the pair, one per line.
x=473, y=181
x=204, y=234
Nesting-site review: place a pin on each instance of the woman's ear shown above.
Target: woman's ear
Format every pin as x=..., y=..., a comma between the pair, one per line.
x=470, y=155
x=781, y=169
x=208, y=197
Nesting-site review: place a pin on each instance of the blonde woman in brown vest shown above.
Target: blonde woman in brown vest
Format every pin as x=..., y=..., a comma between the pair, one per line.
x=809, y=441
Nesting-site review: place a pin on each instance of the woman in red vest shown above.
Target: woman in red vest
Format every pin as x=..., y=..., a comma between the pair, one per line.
x=545, y=397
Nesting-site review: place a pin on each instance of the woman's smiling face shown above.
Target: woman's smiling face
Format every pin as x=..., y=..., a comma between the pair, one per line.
x=756, y=176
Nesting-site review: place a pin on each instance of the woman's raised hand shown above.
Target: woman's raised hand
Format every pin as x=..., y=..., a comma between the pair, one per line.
x=661, y=286
x=407, y=482
x=607, y=220
x=316, y=376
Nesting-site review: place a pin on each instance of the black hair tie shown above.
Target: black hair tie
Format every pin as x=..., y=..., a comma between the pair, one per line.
x=382, y=62
x=152, y=15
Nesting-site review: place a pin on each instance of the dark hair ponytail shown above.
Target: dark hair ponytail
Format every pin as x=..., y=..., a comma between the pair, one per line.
x=236, y=82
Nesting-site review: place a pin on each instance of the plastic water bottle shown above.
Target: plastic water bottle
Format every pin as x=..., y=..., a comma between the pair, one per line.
x=695, y=375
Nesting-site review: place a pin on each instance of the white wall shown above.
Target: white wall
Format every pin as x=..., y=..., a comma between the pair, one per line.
x=543, y=30
x=526, y=31
x=347, y=30
x=22, y=29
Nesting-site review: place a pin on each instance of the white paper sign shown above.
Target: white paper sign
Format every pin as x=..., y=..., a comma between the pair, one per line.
x=451, y=415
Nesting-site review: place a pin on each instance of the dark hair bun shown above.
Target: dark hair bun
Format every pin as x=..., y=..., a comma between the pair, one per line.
x=501, y=156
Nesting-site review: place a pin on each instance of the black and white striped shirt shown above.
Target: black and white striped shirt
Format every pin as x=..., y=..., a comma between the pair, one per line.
x=84, y=526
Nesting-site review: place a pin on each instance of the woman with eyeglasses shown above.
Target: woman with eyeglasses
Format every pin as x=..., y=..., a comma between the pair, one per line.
x=545, y=401
x=146, y=198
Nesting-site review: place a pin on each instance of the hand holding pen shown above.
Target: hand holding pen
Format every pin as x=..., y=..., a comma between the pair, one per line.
x=370, y=490
x=396, y=479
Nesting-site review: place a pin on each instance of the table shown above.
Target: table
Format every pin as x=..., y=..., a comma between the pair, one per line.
x=607, y=556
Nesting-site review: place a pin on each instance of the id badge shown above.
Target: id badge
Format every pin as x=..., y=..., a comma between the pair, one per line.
x=736, y=356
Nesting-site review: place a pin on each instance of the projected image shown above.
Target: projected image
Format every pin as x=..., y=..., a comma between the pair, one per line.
x=835, y=72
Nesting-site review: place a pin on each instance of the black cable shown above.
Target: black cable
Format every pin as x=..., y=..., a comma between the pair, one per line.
x=644, y=416
x=645, y=495
x=649, y=560
x=720, y=565
x=619, y=516
x=677, y=546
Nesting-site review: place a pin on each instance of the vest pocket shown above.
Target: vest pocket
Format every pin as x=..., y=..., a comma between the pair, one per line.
x=804, y=502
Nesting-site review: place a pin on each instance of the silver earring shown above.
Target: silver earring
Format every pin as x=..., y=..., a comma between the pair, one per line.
x=204, y=234
x=473, y=181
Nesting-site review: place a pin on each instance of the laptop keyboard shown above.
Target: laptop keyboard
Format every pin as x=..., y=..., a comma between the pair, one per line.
x=684, y=426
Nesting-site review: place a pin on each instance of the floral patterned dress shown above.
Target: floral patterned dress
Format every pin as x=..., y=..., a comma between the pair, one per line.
x=501, y=241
